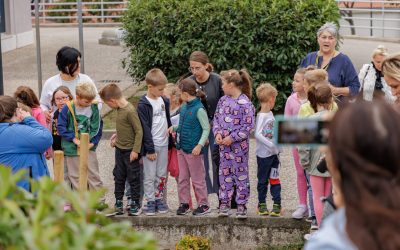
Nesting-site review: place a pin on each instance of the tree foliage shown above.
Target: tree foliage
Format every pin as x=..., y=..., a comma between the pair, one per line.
x=268, y=38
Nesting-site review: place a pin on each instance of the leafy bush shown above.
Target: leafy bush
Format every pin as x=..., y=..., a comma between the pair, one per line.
x=269, y=37
x=189, y=242
x=38, y=221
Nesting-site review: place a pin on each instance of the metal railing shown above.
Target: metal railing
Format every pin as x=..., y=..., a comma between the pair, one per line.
x=92, y=12
x=370, y=18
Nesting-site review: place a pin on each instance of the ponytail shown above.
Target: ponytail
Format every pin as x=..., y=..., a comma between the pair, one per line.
x=240, y=78
x=247, y=84
x=190, y=86
x=311, y=95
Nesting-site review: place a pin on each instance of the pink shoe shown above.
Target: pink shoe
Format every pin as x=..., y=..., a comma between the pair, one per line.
x=67, y=207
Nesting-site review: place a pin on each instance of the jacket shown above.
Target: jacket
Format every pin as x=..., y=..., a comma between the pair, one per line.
x=145, y=112
x=22, y=146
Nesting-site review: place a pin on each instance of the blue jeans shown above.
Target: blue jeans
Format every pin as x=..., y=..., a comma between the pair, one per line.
x=264, y=168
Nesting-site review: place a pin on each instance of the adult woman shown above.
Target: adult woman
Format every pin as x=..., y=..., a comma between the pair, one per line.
x=341, y=72
x=366, y=177
x=371, y=79
x=68, y=63
x=391, y=71
x=210, y=83
x=22, y=140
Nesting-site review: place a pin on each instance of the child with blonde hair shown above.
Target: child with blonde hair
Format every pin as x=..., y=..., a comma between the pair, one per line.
x=267, y=152
x=233, y=121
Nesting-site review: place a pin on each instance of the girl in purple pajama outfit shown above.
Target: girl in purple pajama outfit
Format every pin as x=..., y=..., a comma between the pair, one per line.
x=233, y=121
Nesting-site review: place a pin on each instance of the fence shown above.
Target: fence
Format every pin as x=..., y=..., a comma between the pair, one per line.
x=370, y=18
x=92, y=12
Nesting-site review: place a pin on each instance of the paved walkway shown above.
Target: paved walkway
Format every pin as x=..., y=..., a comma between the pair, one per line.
x=104, y=63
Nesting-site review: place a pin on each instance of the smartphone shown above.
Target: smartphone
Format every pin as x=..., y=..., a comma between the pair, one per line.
x=294, y=131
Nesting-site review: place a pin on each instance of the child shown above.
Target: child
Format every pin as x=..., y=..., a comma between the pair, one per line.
x=26, y=96
x=292, y=107
x=60, y=97
x=312, y=77
x=192, y=134
x=321, y=100
x=233, y=121
x=81, y=116
x=153, y=110
x=127, y=148
x=267, y=152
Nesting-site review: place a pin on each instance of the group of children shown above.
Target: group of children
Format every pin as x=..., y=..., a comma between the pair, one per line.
x=181, y=121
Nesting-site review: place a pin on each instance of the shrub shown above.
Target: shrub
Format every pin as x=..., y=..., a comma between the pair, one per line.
x=37, y=220
x=189, y=242
x=269, y=37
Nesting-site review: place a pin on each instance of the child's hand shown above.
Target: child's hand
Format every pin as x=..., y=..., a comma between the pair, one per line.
x=170, y=130
x=197, y=149
x=218, y=139
x=152, y=157
x=91, y=145
x=113, y=139
x=22, y=114
x=47, y=114
x=227, y=141
x=133, y=156
x=76, y=141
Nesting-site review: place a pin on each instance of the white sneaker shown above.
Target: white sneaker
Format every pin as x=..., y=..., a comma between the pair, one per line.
x=300, y=212
x=309, y=236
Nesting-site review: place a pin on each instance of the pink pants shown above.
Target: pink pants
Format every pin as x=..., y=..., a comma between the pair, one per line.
x=192, y=167
x=322, y=187
x=301, y=178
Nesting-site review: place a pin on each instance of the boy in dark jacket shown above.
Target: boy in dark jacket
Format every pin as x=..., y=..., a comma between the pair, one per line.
x=153, y=110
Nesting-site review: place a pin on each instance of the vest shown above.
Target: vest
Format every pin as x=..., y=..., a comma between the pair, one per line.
x=189, y=129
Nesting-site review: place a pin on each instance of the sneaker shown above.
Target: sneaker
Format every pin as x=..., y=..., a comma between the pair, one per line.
x=276, y=210
x=119, y=207
x=300, y=213
x=150, y=208
x=202, y=210
x=161, y=206
x=310, y=218
x=241, y=212
x=128, y=204
x=224, y=210
x=262, y=209
x=307, y=237
x=134, y=209
x=183, y=209
x=314, y=225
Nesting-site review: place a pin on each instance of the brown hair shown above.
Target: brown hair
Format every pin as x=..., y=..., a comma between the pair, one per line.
x=8, y=106
x=24, y=107
x=240, y=78
x=313, y=76
x=63, y=89
x=265, y=91
x=86, y=90
x=367, y=160
x=26, y=95
x=110, y=91
x=156, y=77
x=190, y=86
x=201, y=57
x=320, y=94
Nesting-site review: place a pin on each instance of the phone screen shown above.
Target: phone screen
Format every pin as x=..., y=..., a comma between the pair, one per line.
x=302, y=131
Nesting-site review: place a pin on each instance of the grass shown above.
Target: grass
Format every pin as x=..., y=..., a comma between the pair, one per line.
x=109, y=119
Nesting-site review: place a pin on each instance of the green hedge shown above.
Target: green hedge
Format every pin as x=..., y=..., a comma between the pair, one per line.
x=268, y=37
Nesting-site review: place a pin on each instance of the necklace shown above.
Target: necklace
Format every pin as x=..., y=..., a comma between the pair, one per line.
x=326, y=65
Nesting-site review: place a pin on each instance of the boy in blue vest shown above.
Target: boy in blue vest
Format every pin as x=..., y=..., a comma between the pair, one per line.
x=153, y=110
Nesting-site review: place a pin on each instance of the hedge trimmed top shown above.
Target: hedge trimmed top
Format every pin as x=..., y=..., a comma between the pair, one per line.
x=268, y=38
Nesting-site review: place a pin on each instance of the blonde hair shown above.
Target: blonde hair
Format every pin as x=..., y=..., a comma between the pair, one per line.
x=155, y=77
x=173, y=90
x=391, y=66
x=265, y=91
x=86, y=90
x=314, y=76
x=380, y=51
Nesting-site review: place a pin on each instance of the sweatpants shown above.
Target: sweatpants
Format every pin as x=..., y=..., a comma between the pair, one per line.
x=125, y=170
x=191, y=167
x=94, y=180
x=322, y=187
x=154, y=174
x=268, y=173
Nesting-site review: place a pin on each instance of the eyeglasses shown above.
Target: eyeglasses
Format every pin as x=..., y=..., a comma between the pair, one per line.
x=64, y=98
x=192, y=69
